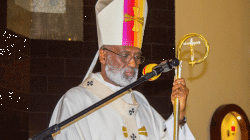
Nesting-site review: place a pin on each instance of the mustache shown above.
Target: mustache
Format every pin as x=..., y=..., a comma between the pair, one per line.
x=130, y=69
x=123, y=70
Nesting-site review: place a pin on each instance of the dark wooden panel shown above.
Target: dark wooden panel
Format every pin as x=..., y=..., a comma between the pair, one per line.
x=60, y=85
x=77, y=67
x=47, y=66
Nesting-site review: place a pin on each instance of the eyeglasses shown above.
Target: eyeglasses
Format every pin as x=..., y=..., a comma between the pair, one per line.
x=126, y=57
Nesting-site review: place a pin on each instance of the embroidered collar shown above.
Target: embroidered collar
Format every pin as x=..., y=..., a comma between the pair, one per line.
x=123, y=105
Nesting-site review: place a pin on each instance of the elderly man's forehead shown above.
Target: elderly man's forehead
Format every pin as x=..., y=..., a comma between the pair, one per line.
x=125, y=48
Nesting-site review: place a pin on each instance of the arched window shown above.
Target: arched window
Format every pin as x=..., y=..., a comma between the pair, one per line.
x=229, y=122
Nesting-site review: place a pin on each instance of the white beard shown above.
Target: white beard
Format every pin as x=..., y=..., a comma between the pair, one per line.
x=118, y=77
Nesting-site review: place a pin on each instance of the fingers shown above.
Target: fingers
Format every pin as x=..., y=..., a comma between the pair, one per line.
x=178, y=86
x=179, y=91
x=182, y=96
x=179, y=81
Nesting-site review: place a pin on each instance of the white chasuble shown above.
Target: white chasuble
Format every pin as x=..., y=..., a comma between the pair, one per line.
x=130, y=117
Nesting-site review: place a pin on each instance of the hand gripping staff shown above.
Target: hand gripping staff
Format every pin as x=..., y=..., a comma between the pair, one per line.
x=178, y=71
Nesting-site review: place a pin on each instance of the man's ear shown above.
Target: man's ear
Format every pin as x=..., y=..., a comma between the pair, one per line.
x=102, y=56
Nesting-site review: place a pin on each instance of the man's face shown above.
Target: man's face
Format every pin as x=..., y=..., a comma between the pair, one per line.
x=119, y=70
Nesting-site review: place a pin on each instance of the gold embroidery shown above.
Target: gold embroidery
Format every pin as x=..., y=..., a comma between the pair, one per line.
x=142, y=131
x=136, y=19
x=125, y=133
x=124, y=128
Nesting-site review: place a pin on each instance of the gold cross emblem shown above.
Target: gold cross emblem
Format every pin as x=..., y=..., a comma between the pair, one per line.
x=191, y=45
x=141, y=131
x=136, y=19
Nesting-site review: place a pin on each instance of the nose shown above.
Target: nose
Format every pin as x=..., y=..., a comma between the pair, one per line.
x=132, y=63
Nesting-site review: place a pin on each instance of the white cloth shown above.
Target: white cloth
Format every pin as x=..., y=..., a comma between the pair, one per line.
x=107, y=123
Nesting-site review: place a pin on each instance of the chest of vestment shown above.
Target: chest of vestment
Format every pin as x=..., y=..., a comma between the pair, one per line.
x=117, y=120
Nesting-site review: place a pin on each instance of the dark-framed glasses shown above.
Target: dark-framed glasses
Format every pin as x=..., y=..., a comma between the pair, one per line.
x=126, y=56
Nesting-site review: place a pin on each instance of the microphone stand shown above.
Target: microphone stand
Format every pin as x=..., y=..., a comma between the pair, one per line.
x=52, y=131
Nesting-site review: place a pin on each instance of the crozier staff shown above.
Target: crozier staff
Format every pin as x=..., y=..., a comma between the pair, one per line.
x=120, y=26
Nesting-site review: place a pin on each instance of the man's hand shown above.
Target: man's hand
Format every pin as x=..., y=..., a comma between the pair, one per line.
x=180, y=91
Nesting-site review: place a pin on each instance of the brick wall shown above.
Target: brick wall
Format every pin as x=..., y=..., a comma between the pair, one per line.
x=56, y=66
x=14, y=81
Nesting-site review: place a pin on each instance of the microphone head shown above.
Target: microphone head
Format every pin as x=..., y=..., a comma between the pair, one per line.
x=149, y=68
x=175, y=62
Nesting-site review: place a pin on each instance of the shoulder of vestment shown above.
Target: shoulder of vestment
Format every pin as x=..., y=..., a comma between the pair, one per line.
x=79, y=96
x=75, y=91
x=140, y=98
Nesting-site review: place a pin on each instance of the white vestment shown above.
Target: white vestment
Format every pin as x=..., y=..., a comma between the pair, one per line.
x=129, y=117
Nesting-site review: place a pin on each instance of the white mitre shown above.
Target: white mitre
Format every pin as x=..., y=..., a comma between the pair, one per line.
x=119, y=22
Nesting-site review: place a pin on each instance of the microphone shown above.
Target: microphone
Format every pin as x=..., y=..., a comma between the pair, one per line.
x=158, y=69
